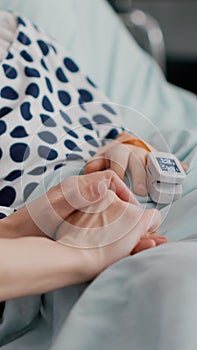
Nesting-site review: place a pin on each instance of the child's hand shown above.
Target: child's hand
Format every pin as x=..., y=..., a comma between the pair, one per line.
x=149, y=241
x=122, y=156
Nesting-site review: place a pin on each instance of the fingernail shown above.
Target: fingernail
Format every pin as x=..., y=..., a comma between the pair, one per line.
x=161, y=239
x=141, y=189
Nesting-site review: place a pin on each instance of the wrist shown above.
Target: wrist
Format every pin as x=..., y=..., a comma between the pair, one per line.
x=74, y=268
x=80, y=264
x=19, y=224
x=38, y=265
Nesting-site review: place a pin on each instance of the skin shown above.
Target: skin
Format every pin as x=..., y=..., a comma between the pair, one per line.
x=121, y=157
x=26, y=234
x=50, y=265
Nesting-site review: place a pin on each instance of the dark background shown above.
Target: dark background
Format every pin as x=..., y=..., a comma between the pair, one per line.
x=178, y=21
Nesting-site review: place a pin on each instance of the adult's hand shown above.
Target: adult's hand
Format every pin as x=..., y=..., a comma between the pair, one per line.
x=43, y=215
x=33, y=265
x=108, y=231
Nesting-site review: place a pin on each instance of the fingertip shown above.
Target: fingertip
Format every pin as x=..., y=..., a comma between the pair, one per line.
x=185, y=166
x=161, y=240
x=143, y=244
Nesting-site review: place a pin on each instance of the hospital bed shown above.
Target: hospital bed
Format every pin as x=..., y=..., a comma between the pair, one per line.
x=145, y=29
x=133, y=301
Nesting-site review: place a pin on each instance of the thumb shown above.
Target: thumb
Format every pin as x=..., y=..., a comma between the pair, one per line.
x=138, y=173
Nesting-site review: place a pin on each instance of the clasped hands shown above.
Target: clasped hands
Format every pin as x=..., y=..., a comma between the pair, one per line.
x=95, y=212
x=123, y=212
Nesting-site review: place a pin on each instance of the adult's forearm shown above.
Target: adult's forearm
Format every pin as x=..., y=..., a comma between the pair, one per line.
x=19, y=224
x=34, y=265
x=38, y=218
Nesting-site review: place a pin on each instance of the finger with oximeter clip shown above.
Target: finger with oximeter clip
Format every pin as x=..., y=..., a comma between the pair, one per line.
x=165, y=176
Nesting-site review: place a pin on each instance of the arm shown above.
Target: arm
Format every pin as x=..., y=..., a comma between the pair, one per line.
x=42, y=216
x=34, y=265
x=30, y=262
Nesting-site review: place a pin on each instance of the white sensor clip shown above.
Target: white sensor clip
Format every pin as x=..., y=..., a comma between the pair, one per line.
x=165, y=176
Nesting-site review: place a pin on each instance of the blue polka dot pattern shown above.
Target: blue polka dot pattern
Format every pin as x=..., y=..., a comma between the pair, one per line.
x=32, y=72
x=32, y=90
x=23, y=38
x=66, y=117
x=101, y=119
x=4, y=111
x=109, y=108
x=27, y=57
x=64, y=97
x=49, y=85
x=29, y=189
x=38, y=171
x=47, y=105
x=47, y=137
x=47, y=121
x=81, y=105
x=72, y=146
x=47, y=153
x=19, y=131
x=2, y=215
x=59, y=166
x=9, y=71
x=92, y=153
x=73, y=156
x=36, y=27
x=25, y=110
x=9, y=93
x=9, y=56
x=21, y=21
x=70, y=65
x=3, y=127
x=15, y=174
x=71, y=132
x=91, y=140
x=112, y=134
x=19, y=152
x=43, y=47
x=54, y=48
x=7, y=196
x=91, y=82
x=85, y=96
x=41, y=131
x=86, y=123
x=61, y=76
x=43, y=63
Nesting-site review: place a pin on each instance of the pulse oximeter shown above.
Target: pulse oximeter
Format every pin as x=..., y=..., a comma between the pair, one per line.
x=165, y=176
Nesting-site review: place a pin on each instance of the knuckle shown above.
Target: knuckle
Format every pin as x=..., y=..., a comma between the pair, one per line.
x=110, y=173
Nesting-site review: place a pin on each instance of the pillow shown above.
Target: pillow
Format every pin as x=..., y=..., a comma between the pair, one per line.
x=105, y=50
